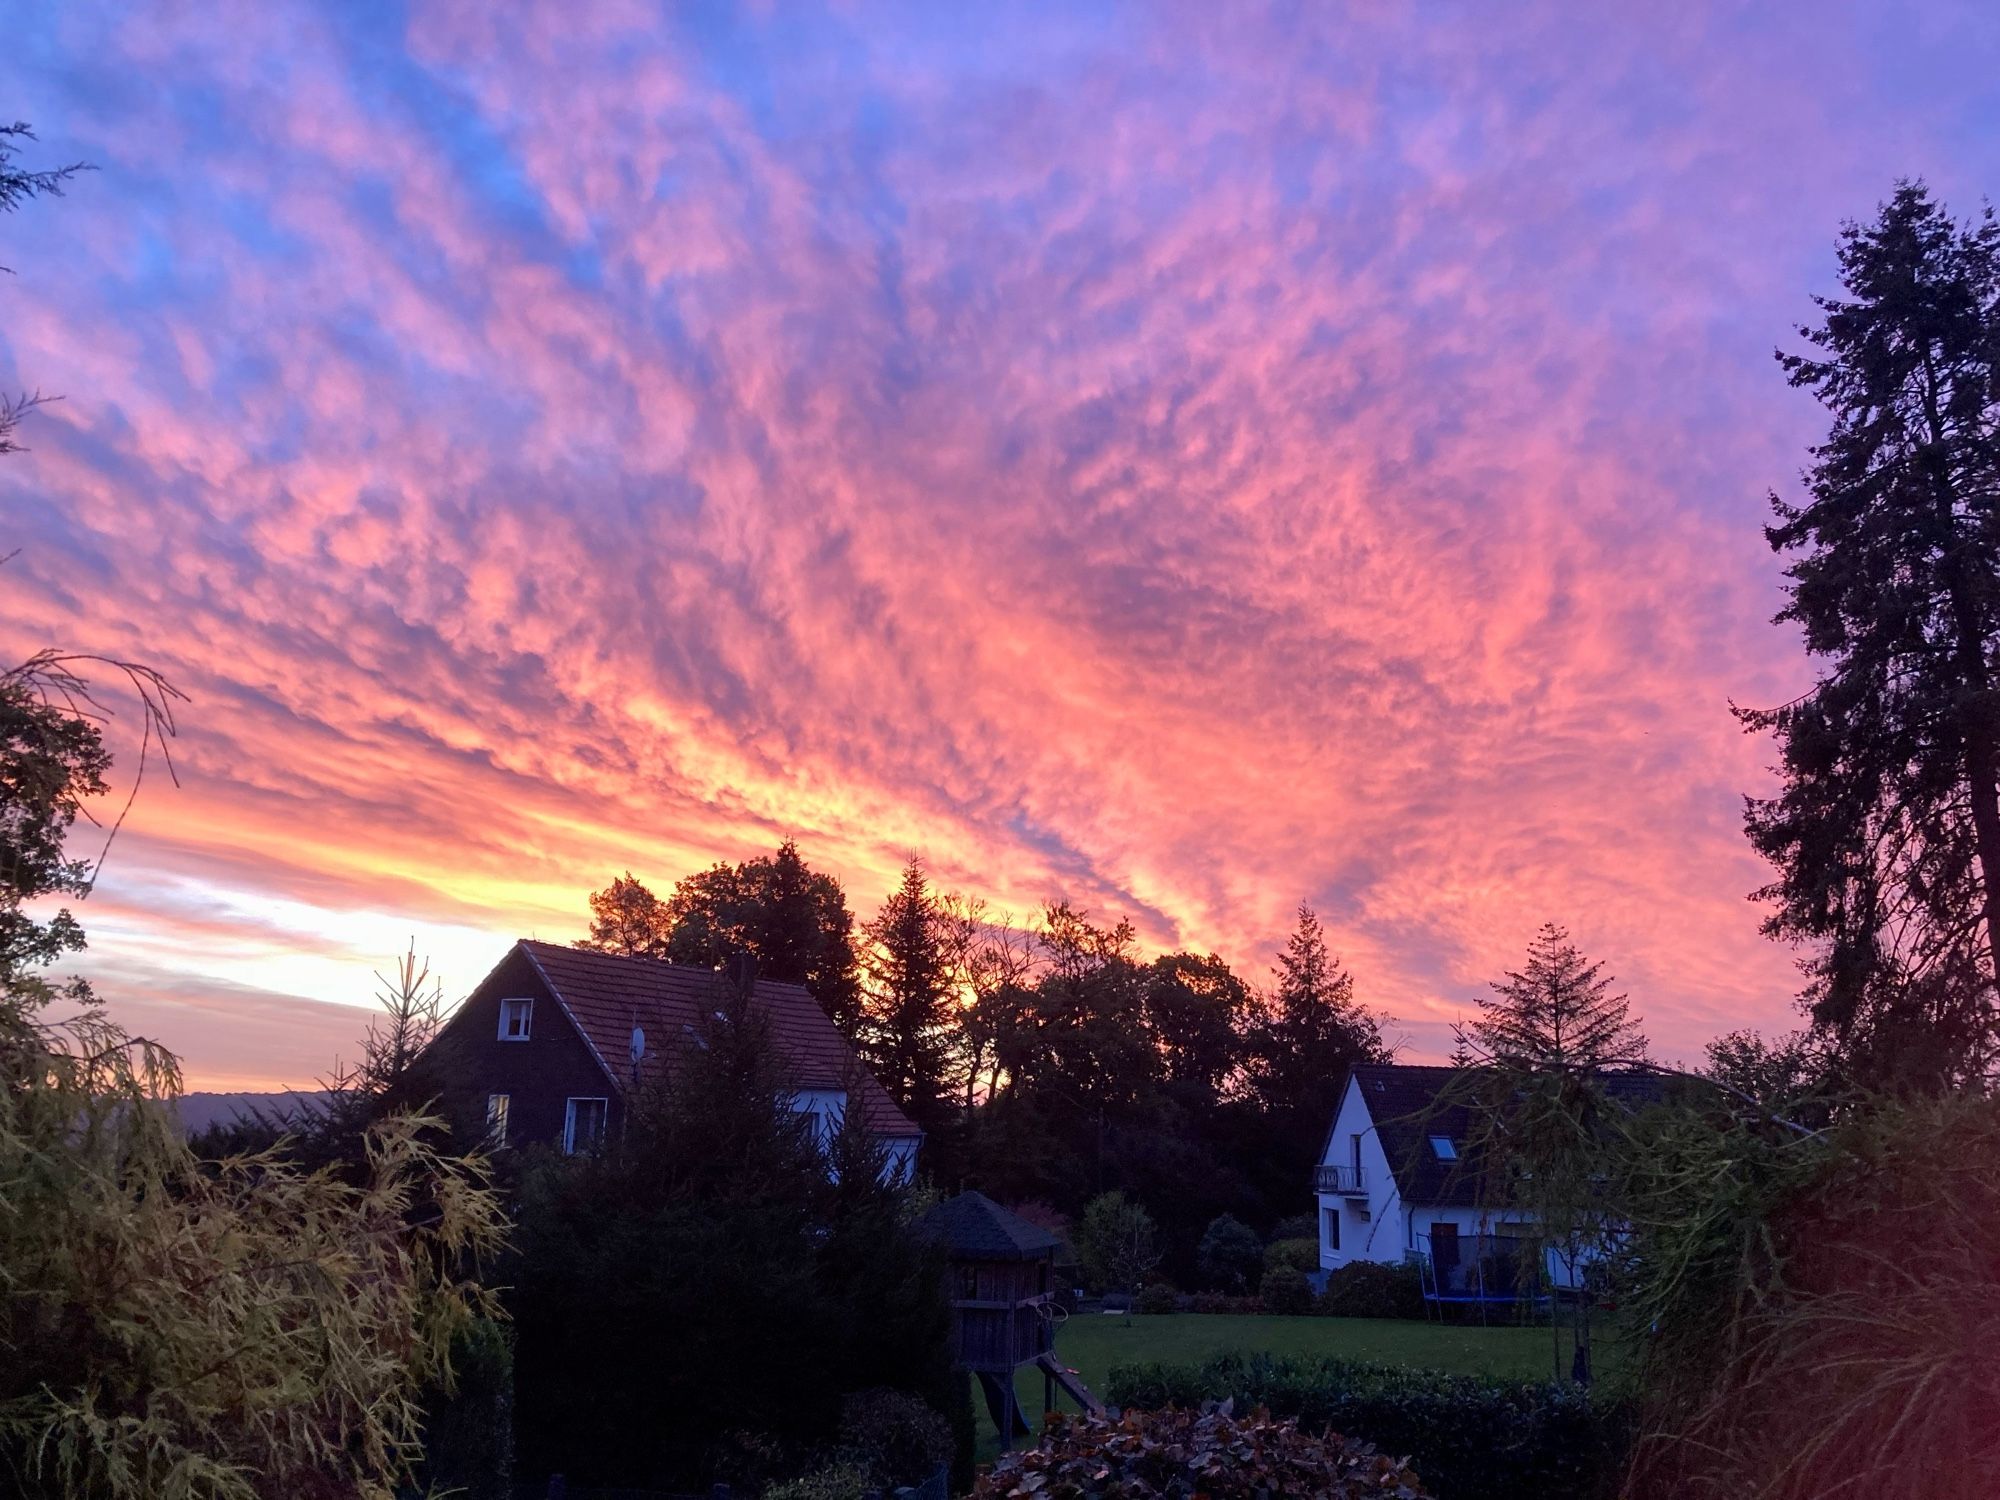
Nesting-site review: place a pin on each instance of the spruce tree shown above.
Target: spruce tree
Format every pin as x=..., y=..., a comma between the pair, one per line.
x=1886, y=832
x=1556, y=1012
x=1315, y=1031
x=909, y=999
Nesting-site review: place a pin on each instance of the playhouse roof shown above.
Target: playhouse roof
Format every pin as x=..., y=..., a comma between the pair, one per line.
x=974, y=1227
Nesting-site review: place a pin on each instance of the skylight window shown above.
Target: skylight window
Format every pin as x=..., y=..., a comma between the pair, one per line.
x=1443, y=1147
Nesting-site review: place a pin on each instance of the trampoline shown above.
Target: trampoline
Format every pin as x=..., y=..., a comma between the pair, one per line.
x=1480, y=1270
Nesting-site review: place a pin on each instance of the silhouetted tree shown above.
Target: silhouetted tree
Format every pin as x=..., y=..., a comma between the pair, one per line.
x=1316, y=1032
x=791, y=918
x=1886, y=833
x=1197, y=1010
x=627, y=918
x=910, y=998
x=1556, y=1012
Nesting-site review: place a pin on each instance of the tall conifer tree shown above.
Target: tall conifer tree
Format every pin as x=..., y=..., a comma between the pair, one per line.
x=1886, y=832
x=1557, y=1011
x=909, y=1003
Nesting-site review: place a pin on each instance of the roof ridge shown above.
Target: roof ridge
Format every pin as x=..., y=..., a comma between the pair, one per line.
x=599, y=955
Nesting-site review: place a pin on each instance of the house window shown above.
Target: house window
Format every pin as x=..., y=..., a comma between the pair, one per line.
x=1333, y=1229
x=968, y=1283
x=583, y=1125
x=496, y=1119
x=1446, y=1151
x=514, y=1018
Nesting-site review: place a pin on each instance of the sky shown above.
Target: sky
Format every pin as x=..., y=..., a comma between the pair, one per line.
x=1189, y=459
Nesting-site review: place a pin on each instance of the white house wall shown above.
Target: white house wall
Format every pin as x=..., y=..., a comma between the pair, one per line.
x=1370, y=1229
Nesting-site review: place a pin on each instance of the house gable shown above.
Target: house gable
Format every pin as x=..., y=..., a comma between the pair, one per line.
x=539, y=1076
x=590, y=1012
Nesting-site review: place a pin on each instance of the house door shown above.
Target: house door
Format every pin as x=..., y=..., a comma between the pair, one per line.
x=1444, y=1257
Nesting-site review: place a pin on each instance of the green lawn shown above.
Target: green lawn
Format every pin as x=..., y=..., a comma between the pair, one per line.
x=1092, y=1343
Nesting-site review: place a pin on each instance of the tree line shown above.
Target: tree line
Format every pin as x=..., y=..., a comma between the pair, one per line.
x=1048, y=1061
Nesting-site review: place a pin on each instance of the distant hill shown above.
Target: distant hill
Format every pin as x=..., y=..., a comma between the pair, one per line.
x=199, y=1111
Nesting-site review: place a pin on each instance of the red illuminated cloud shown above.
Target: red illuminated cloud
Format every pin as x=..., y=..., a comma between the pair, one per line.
x=1191, y=464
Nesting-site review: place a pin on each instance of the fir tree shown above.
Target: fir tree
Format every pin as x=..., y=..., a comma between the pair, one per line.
x=1318, y=1030
x=1886, y=832
x=1557, y=1012
x=910, y=1003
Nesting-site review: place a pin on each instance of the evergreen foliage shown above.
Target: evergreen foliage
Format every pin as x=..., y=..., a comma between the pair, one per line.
x=911, y=996
x=1229, y=1255
x=1556, y=1012
x=693, y=1304
x=1886, y=833
x=1467, y=1437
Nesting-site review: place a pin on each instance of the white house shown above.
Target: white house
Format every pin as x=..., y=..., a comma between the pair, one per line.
x=1394, y=1183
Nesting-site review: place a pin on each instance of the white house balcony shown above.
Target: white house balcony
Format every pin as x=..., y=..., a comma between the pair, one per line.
x=1349, y=1182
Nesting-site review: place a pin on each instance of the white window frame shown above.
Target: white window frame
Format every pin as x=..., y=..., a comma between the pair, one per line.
x=497, y=1108
x=526, y=1013
x=569, y=1118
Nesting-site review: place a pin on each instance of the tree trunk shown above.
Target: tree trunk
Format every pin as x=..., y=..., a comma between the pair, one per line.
x=1976, y=719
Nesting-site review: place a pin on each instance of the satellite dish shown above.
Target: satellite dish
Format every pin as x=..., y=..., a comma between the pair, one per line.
x=638, y=1044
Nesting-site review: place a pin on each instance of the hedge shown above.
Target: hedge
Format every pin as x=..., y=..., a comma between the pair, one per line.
x=1468, y=1437
x=1365, y=1289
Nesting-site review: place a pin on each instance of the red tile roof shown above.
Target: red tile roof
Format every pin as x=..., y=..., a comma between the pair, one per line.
x=607, y=994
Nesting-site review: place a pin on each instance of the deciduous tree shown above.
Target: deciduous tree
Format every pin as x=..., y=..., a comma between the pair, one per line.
x=790, y=917
x=627, y=918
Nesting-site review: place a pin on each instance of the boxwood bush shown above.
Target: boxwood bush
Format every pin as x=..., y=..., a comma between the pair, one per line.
x=1468, y=1437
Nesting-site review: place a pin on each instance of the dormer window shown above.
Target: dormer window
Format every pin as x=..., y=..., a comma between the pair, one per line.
x=1442, y=1146
x=515, y=1016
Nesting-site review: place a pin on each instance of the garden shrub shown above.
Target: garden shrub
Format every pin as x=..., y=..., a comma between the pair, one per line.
x=1299, y=1254
x=1468, y=1437
x=1230, y=1255
x=1295, y=1227
x=1824, y=1308
x=1223, y=1302
x=1209, y=1452
x=1157, y=1298
x=894, y=1436
x=1286, y=1290
x=1367, y=1289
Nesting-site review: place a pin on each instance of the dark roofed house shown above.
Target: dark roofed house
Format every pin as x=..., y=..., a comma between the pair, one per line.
x=553, y=1042
x=1397, y=1181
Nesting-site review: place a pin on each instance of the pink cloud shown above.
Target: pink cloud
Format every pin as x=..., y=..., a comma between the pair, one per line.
x=1192, y=464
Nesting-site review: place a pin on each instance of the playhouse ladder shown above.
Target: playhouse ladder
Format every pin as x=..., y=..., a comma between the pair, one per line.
x=1066, y=1379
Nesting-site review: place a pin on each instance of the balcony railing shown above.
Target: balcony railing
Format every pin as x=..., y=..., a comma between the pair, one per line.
x=1348, y=1181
